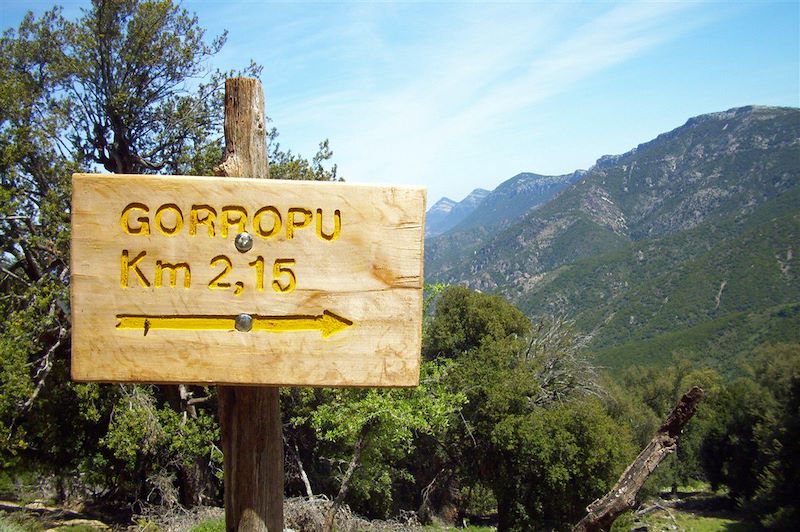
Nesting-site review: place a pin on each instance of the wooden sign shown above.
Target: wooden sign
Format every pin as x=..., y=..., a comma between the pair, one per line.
x=242, y=281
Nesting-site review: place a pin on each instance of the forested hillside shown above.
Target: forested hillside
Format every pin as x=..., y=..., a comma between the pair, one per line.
x=686, y=242
x=673, y=262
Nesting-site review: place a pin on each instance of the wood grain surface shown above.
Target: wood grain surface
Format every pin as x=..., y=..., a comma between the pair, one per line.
x=157, y=281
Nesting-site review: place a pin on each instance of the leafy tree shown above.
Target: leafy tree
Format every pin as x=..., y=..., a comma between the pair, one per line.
x=377, y=429
x=752, y=444
x=527, y=430
x=130, y=66
x=657, y=390
x=554, y=461
x=778, y=370
x=34, y=239
x=124, y=86
x=730, y=451
x=288, y=165
x=147, y=444
x=463, y=320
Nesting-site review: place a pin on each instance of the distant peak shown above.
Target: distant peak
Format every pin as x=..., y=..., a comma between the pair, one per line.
x=758, y=112
x=524, y=180
x=444, y=205
x=445, y=200
x=477, y=194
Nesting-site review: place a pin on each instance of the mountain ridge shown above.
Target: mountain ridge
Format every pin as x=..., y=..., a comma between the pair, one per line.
x=446, y=213
x=674, y=198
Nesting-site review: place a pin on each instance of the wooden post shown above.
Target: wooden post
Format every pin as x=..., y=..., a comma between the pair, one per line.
x=250, y=417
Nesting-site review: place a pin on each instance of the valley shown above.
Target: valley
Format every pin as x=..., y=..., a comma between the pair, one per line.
x=687, y=243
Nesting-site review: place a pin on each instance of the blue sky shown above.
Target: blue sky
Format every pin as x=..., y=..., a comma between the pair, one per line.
x=459, y=95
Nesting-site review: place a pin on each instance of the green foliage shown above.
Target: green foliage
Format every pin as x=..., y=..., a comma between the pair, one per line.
x=529, y=429
x=129, y=67
x=19, y=522
x=680, y=519
x=33, y=221
x=118, y=87
x=464, y=320
x=141, y=431
x=288, y=165
x=503, y=405
x=658, y=295
x=655, y=392
x=148, y=443
x=744, y=436
x=383, y=425
x=752, y=445
x=210, y=525
x=553, y=460
x=126, y=86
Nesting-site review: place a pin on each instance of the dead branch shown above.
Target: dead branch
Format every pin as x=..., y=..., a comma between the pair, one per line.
x=43, y=372
x=303, y=475
x=602, y=513
x=330, y=516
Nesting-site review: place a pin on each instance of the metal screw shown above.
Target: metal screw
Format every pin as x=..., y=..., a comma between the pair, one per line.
x=244, y=242
x=244, y=322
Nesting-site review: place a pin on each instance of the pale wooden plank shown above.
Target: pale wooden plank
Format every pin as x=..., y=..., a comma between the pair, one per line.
x=369, y=272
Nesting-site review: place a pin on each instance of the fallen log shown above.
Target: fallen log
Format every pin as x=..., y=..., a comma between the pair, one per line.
x=602, y=513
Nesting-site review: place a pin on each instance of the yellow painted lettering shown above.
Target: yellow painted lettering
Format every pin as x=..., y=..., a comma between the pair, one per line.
x=337, y=226
x=128, y=266
x=176, y=214
x=143, y=228
x=207, y=220
x=258, y=264
x=276, y=221
x=281, y=270
x=216, y=283
x=161, y=267
x=294, y=223
x=233, y=216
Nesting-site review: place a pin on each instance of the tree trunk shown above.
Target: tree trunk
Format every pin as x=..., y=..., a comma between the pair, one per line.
x=301, y=471
x=192, y=477
x=345, y=485
x=250, y=416
x=602, y=513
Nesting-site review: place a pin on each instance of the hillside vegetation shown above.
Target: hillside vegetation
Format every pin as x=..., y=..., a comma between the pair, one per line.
x=687, y=242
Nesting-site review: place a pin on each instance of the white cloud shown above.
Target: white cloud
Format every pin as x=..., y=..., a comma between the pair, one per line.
x=449, y=95
x=410, y=93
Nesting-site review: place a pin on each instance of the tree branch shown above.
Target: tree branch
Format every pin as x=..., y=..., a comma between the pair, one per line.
x=602, y=513
x=345, y=485
x=42, y=373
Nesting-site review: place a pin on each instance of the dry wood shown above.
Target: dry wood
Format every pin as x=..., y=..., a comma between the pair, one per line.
x=250, y=417
x=369, y=274
x=330, y=515
x=245, y=130
x=252, y=445
x=602, y=513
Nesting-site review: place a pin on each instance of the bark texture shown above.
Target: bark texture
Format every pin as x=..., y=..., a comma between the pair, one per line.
x=250, y=417
x=602, y=513
x=245, y=130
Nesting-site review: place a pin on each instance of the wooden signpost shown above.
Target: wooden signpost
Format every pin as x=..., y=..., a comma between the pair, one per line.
x=246, y=283
x=240, y=281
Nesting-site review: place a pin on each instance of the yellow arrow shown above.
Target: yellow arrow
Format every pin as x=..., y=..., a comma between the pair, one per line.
x=327, y=323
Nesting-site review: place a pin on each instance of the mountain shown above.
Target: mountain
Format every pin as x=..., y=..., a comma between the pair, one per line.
x=499, y=208
x=515, y=197
x=436, y=217
x=696, y=230
x=446, y=213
